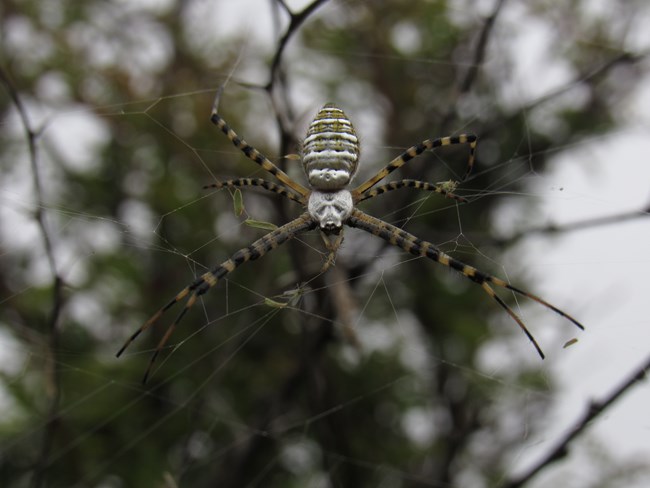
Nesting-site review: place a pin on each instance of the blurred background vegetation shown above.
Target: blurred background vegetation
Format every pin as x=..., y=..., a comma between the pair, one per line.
x=373, y=374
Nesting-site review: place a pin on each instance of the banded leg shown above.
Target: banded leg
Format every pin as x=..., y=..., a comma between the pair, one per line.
x=418, y=247
x=416, y=184
x=209, y=279
x=416, y=150
x=259, y=182
x=255, y=155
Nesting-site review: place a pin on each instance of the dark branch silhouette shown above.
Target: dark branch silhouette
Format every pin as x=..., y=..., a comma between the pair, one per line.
x=473, y=70
x=294, y=24
x=555, y=229
x=52, y=375
x=593, y=410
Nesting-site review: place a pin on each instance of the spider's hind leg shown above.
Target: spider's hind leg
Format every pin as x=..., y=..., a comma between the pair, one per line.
x=418, y=247
x=209, y=279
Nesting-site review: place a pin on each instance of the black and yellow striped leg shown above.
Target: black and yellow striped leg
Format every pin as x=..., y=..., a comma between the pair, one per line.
x=416, y=184
x=416, y=150
x=201, y=285
x=418, y=247
x=261, y=183
x=255, y=155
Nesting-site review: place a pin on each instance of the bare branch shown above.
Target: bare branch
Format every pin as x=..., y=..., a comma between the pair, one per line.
x=296, y=21
x=622, y=58
x=477, y=62
x=52, y=376
x=593, y=410
x=550, y=229
x=481, y=46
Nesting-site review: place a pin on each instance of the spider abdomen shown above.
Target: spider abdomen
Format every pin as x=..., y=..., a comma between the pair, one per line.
x=330, y=151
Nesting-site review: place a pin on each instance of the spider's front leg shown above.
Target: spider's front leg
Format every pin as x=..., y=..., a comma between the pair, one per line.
x=260, y=183
x=444, y=188
x=415, y=151
x=252, y=153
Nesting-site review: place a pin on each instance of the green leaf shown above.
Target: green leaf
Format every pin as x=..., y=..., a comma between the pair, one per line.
x=238, y=202
x=292, y=298
x=258, y=224
x=272, y=303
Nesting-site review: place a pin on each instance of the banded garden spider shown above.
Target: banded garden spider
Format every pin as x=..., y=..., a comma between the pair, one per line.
x=330, y=156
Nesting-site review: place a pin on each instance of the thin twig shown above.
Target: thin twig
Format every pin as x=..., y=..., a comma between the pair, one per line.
x=623, y=58
x=599, y=71
x=593, y=410
x=52, y=381
x=477, y=62
x=296, y=21
x=550, y=229
x=481, y=47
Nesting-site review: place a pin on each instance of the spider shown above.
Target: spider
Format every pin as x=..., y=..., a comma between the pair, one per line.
x=330, y=156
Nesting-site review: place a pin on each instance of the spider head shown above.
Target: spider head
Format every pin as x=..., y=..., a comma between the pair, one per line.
x=330, y=209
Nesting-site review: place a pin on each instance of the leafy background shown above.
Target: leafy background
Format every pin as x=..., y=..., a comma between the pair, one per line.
x=384, y=371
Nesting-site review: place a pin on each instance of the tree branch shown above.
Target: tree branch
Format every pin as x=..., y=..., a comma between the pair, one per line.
x=296, y=21
x=476, y=63
x=551, y=228
x=52, y=376
x=593, y=410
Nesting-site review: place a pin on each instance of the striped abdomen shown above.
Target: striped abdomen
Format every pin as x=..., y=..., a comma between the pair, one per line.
x=330, y=151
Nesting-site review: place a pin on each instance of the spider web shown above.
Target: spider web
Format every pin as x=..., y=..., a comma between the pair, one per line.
x=256, y=349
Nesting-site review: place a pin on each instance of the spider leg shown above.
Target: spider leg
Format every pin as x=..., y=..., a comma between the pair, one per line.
x=416, y=150
x=201, y=285
x=262, y=183
x=254, y=154
x=417, y=184
x=411, y=244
